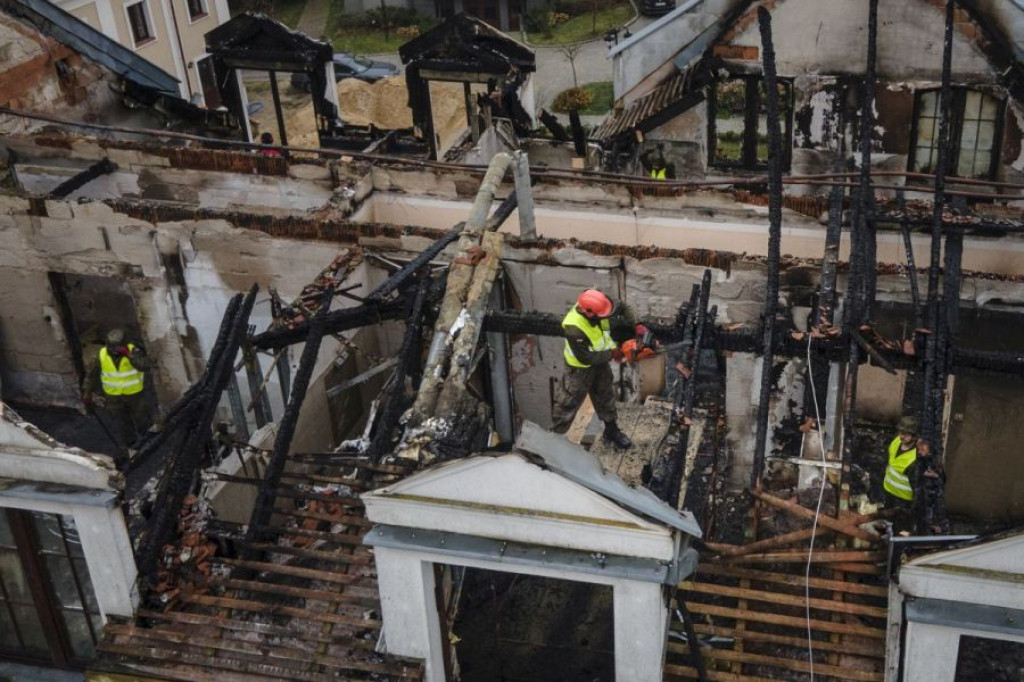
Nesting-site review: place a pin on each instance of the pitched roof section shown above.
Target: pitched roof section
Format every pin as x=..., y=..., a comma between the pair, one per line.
x=51, y=20
x=467, y=39
x=646, y=108
x=256, y=39
x=578, y=465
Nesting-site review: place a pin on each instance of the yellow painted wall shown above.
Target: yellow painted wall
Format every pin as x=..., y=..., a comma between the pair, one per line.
x=89, y=14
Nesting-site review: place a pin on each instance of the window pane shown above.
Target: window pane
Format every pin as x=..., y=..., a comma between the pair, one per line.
x=14, y=577
x=982, y=164
x=989, y=108
x=74, y=543
x=986, y=135
x=730, y=98
x=926, y=131
x=79, y=634
x=923, y=159
x=972, y=105
x=980, y=658
x=63, y=581
x=969, y=136
x=930, y=104
x=48, y=531
x=965, y=166
x=31, y=629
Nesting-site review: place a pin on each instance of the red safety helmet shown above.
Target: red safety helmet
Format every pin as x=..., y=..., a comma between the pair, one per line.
x=594, y=304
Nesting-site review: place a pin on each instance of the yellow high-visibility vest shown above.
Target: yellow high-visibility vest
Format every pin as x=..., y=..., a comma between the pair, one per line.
x=119, y=379
x=896, y=482
x=658, y=174
x=600, y=335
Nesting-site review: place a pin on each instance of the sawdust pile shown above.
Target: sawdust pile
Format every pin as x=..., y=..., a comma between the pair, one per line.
x=385, y=104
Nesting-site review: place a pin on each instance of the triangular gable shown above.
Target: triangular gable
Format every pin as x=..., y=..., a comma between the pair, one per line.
x=512, y=484
x=463, y=37
x=1005, y=555
x=259, y=38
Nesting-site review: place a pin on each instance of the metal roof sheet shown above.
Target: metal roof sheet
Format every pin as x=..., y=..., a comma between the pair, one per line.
x=579, y=466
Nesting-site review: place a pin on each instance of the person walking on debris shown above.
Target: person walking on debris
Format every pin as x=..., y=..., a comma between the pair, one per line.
x=119, y=374
x=594, y=328
x=913, y=482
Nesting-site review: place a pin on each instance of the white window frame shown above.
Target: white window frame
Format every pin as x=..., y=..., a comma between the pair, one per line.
x=149, y=24
x=199, y=17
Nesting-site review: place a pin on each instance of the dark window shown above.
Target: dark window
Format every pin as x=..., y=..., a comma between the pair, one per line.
x=48, y=610
x=738, y=123
x=974, y=125
x=196, y=9
x=138, y=19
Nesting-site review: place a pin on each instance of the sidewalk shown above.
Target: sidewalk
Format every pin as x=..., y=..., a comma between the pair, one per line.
x=313, y=21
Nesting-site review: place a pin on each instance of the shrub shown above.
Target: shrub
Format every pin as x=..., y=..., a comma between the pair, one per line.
x=573, y=98
x=537, y=22
x=408, y=31
x=397, y=16
x=556, y=19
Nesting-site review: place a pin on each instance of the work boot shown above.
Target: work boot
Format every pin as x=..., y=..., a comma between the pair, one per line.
x=613, y=435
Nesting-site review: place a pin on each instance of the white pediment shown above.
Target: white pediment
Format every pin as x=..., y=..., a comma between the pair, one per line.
x=509, y=497
x=1005, y=555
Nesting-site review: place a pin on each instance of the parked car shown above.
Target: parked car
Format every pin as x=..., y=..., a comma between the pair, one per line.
x=655, y=8
x=348, y=65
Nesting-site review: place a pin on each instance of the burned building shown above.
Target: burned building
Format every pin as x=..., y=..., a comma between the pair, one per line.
x=355, y=358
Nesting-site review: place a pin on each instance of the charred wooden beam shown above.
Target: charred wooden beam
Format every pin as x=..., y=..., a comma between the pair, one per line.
x=915, y=292
x=771, y=303
x=335, y=322
x=934, y=379
x=102, y=167
x=264, y=505
x=552, y=124
x=867, y=196
x=188, y=460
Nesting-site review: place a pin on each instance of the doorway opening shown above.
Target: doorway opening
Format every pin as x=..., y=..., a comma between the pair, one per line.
x=519, y=628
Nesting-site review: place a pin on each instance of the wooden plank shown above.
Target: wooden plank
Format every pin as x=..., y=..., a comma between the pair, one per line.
x=852, y=649
x=792, y=664
x=792, y=580
x=789, y=621
x=276, y=609
x=823, y=519
x=341, y=538
x=686, y=672
x=769, y=543
x=277, y=655
x=338, y=557
x=799, y=556
x=348, y=520
x=787, y=599
x=339, y=597
x=245, y=627
x=154, y=656
x=296, y=494
x=298, y=571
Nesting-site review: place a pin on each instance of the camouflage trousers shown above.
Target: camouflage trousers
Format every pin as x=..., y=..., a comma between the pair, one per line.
x=577, y=383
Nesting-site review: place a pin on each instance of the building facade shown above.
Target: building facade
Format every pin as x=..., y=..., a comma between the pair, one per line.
x=168, y=33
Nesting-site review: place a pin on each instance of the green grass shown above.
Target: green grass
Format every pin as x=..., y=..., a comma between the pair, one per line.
x=581, y=28
x=347, y=35
x=603, y=98
x=285, y=11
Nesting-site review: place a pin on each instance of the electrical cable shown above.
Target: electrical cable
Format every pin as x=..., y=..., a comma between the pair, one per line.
x=817, y=510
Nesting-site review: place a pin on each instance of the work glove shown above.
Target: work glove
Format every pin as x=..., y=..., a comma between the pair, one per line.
x=641, y=330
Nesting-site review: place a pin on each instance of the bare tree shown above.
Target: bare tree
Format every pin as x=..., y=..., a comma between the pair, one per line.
x=571, y=52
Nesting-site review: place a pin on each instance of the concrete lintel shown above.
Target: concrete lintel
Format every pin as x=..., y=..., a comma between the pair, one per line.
x=27, y=494
x=516, y=554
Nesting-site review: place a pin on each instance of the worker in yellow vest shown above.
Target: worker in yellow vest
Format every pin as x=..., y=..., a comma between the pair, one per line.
x=658, y=169
x=119, y=376
x=594, y=328
x=900, y=482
